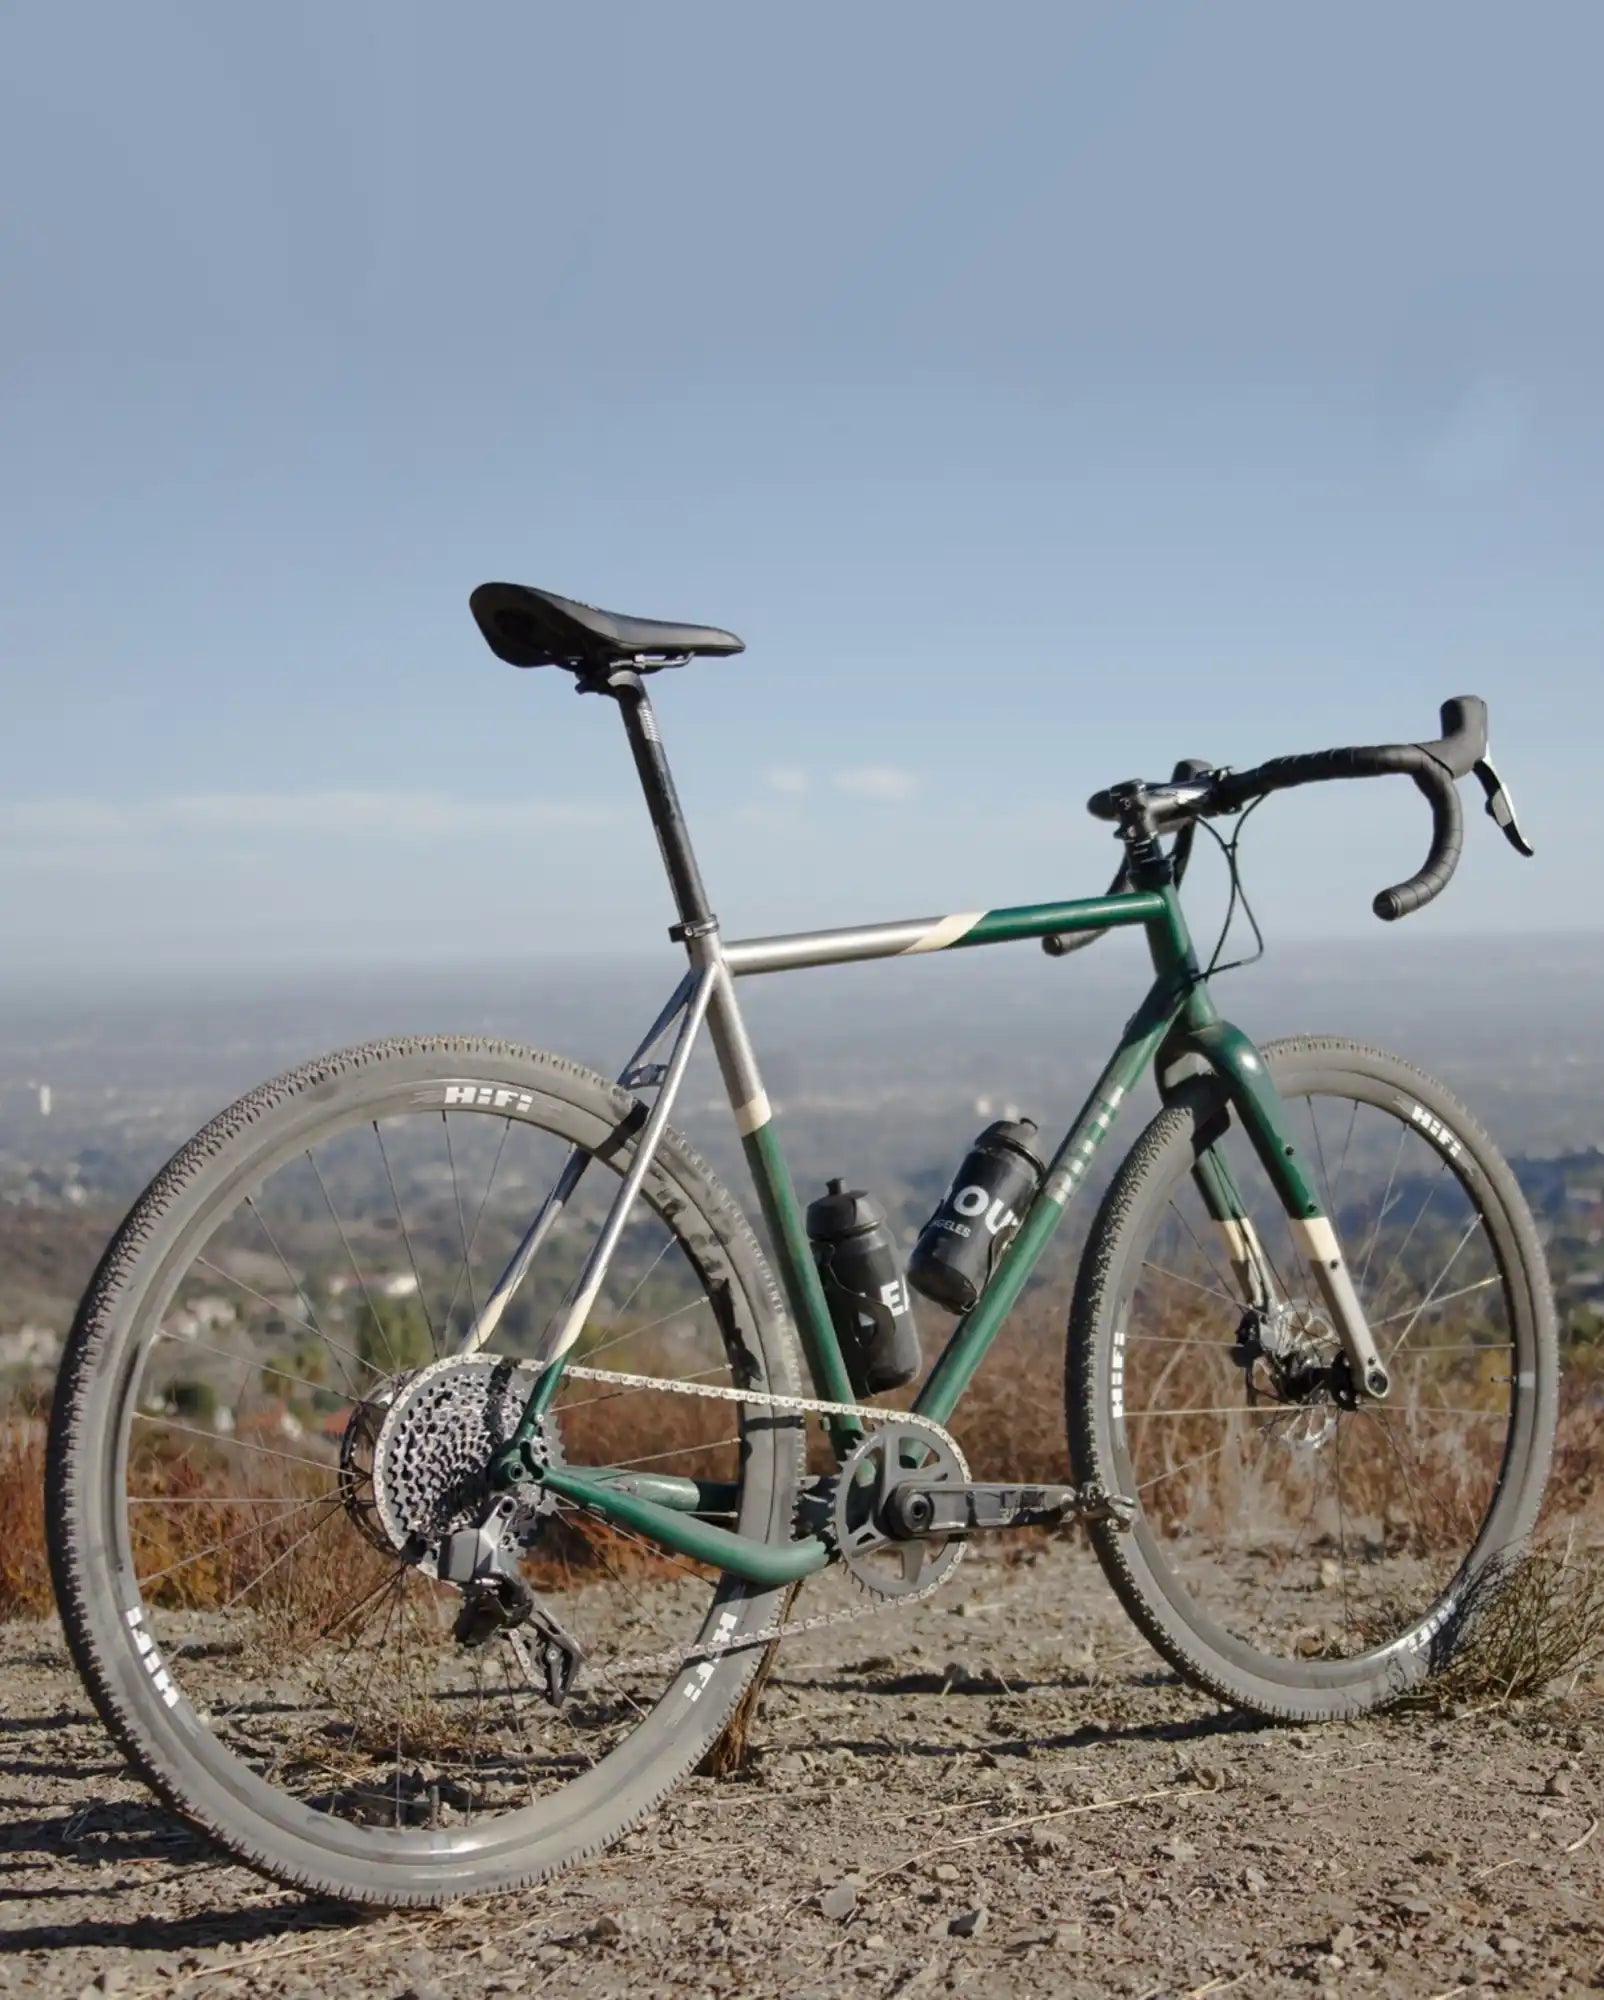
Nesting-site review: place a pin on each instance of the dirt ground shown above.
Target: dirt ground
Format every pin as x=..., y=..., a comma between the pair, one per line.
x=998, y=1793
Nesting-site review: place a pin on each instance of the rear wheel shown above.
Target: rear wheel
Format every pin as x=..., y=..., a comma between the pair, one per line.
x=260, y=1431
x=1297, y=1556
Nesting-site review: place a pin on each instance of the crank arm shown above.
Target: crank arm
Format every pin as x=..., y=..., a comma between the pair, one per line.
x=938, y=1511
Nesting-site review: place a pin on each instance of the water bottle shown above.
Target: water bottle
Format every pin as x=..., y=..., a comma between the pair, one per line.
x=978, y=1217
x=864, y=1289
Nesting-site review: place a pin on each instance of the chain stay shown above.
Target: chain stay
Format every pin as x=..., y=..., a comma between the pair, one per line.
x=801, y=1406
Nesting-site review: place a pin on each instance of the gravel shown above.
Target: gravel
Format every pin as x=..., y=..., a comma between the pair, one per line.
x=1017, y=1803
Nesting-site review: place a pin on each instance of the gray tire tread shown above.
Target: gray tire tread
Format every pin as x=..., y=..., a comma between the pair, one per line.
x=70, y=1468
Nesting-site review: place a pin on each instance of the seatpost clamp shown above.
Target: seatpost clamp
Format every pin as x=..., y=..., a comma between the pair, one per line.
x=684, y=933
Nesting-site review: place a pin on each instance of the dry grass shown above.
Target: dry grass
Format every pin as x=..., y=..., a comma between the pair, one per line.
x=24, y=1567
x=298, y=1561
x=1533, y=1620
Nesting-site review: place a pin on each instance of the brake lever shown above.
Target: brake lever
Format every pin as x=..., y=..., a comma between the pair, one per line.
x=1500, y=806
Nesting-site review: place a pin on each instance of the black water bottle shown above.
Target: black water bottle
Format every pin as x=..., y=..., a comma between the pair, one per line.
x=978, y=1217
x=864, y=1289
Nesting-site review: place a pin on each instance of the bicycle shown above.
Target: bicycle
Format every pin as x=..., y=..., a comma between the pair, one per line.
x=511, y=1493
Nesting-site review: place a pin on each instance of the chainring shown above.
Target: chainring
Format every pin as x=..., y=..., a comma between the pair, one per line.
x=428, y=1444
x=884, y=1565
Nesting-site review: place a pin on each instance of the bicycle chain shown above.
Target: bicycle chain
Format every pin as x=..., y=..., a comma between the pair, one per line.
x=789, y=1628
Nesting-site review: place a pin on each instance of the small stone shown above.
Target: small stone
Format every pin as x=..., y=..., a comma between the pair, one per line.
x=1070, y=1933
x=1507, y=1944
x=1411, y=1906
x=1255, y=1881
x=970, y=1924
x=109, y=1979
x=1558, y=1786
x=1330, y=1574
x=605, y=1930
x=944, y=1872
x=1342, y=1941
x=1178, y=1849
x=839, y=1900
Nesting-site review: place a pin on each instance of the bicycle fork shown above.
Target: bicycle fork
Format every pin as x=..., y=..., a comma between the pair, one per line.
x=1241, y=1068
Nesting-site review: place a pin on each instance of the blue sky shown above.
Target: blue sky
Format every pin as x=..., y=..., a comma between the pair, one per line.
x=1042, y=392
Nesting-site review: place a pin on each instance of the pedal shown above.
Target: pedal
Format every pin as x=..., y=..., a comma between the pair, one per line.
x=921, y=1512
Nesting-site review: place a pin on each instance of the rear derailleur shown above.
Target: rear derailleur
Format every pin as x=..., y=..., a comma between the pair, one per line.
x=483, y=1563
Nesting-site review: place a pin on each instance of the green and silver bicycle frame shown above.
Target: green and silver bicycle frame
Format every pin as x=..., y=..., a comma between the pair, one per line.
x=1176, y=1029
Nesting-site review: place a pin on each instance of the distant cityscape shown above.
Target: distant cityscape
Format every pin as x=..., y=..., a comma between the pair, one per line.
x=880, y=1073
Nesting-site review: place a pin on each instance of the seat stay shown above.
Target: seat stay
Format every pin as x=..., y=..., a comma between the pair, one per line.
x=634, y=1075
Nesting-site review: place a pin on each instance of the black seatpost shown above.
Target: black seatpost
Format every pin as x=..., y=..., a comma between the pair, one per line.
x=662, y=801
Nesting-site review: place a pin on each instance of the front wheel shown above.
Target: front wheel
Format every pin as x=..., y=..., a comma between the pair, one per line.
x=265, y=1426
x=1298, y=1556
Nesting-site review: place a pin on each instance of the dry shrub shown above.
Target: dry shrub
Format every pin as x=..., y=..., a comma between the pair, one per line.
x=216, y=1544
x=24, y=1566
x=285, y=1550
x=1576, y=1480
x=1534, y=1617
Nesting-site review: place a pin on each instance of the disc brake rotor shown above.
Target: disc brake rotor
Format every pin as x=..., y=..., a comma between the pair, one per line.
x=1302, y=1346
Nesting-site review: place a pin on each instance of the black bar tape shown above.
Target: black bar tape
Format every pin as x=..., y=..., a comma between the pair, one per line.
x=1447, y=838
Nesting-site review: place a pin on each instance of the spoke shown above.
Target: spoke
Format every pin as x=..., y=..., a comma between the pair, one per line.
x=434, y=1344
x=1215, y=1272
x=1445, y=1410
x=1222, y=1410
x=225, y=1499
x=230, y=1443
x=1215, y=1346
x=232, y=1354
x=1290, y=1557
x=640, y=1282
x=278, y=1561
x=1170, y=1471
x=677, y=1451
x=484, y=1200
x=1342, y=1164
x=462, y=1232
x=1164, y=1271
x=1447, y=1298
x=1381, y=1209
x=1453, y=1258
x=1465, y=1350
x=1320, y=1155
x=1397, y=1259
x=1398, y=1460
x=699, y=1571
x=394, y=1580
x=228, y=1278
x=651, y=1326
x=143, y=1583
x=295, y=1283
x=362, y=1283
